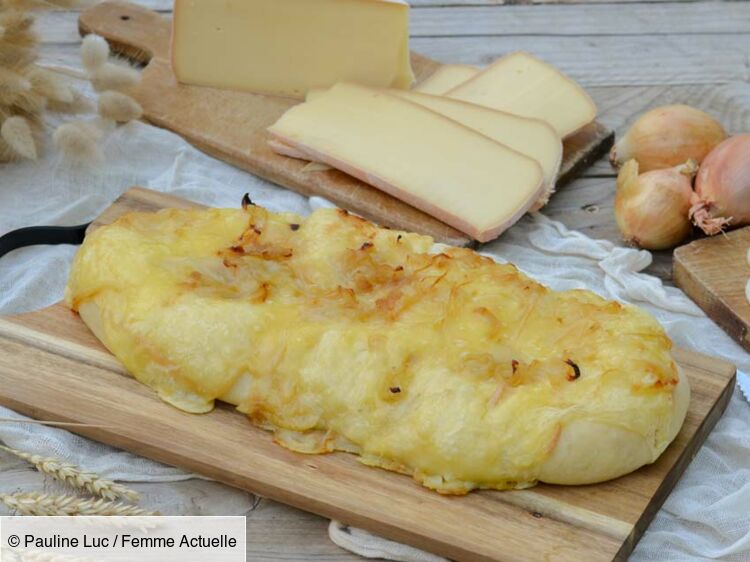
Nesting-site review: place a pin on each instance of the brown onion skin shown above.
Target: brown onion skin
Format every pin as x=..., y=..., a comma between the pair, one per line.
x=668, y=136
x=651, y=209
x=722, y=186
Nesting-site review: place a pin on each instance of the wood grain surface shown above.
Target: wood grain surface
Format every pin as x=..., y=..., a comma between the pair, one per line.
x=232, y=125
x=53, y=368
x=714, y=272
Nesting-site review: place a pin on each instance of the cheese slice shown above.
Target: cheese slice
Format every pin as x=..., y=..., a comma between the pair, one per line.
x=532, y=137
x=445, y=78
x=522, y=84
x=286, y=47
x=434, y=163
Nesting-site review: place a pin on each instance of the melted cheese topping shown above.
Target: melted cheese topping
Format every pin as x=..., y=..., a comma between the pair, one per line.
x=337, y=334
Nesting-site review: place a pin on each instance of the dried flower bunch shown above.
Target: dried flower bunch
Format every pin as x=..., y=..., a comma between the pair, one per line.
x=80, y=140
x=26, y=89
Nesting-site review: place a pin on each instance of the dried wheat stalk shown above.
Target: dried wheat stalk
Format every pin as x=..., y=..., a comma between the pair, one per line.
x=33, y=503
x=76, y=477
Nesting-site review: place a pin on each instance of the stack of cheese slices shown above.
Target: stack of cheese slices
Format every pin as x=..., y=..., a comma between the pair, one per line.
x=476, y=153
x=474, y=148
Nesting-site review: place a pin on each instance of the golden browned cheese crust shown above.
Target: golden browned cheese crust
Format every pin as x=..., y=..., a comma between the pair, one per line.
x=336, y=334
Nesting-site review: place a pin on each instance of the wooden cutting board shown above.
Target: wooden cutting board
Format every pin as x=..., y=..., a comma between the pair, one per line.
x=232, y=125
x=713, y=272
x=52, y=368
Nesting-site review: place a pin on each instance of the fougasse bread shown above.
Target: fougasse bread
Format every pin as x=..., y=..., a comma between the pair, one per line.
x=335, y=334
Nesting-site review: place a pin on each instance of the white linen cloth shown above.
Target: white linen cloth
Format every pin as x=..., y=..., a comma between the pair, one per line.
x=707, y=515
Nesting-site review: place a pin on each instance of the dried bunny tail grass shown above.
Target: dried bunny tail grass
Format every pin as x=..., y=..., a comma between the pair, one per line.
x=76, y=477
x=114, y=76
x=119, y=107
x=64, y=70
x=15, y=55
x=16, y=32
x=79, y=141
x=33, y=503
x=94, y=52
x=14, y=22
x=50, y=85
x=13, y=85
x=17, y=94
x=78, y=104
x=16, y=132
x=29, y=102
x=7, y=154
x=19, y=38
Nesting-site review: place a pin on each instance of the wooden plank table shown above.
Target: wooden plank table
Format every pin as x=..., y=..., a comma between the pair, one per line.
x=630, y=55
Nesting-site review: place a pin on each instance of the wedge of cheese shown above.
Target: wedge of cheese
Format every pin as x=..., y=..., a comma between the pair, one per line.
x=445, y=78
x=532, y=137
x=454, y=173
x=522, y=84
x=286, y=47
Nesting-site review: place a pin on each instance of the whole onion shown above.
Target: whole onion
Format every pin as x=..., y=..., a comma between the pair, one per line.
x=722, y=187
x=651, y=209
x=668, y=136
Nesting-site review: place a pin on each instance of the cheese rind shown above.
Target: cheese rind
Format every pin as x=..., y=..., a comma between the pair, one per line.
x=532, y=137
x=445, y=78
x=286, y=47
x=522, y=84
x=431, y=162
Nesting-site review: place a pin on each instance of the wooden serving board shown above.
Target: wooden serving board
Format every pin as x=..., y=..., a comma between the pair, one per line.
x=713, y=272
x=232, y=125
x=53, y=368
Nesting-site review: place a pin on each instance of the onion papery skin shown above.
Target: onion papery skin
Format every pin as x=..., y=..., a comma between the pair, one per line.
x=651, y=209
x=722, y=187
x=668, y=136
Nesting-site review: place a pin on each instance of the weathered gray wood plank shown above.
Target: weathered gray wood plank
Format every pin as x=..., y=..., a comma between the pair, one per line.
x=593, y=61
x=505, y=3
x=525, y=20
x=278, y=532
x=580, y=19
x=165, y=5
x=611, y=60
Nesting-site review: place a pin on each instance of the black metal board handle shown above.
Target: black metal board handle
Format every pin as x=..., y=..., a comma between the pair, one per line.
x=34, y=235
